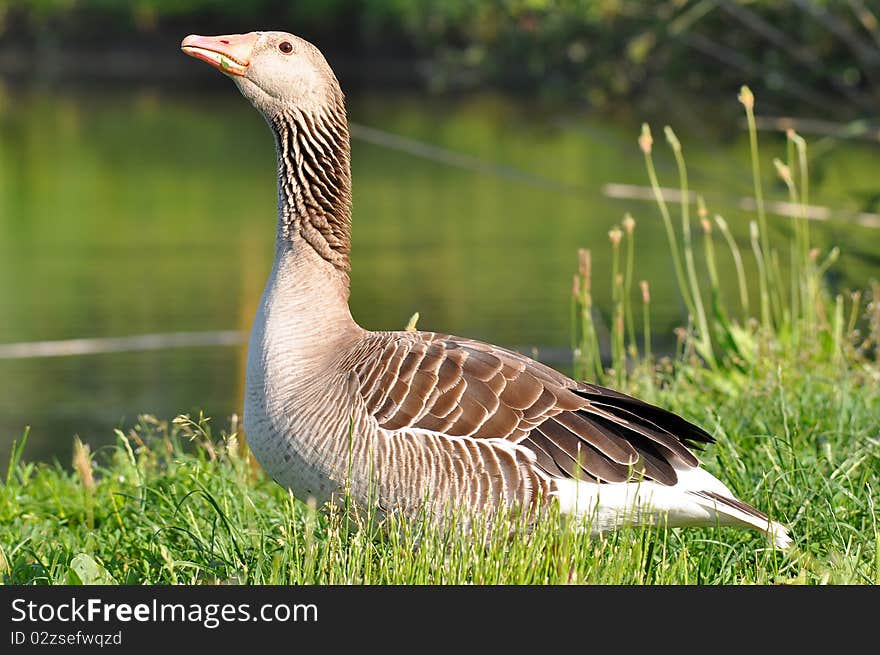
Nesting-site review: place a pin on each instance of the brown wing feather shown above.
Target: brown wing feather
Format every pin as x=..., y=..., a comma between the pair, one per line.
x=463, y=387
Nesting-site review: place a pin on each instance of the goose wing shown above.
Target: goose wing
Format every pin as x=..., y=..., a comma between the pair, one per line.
x=463, y=387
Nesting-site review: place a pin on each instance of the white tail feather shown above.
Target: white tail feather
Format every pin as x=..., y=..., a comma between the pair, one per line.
x=697, y=499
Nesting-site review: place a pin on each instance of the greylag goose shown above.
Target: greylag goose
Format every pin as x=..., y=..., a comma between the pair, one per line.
x=408, y=420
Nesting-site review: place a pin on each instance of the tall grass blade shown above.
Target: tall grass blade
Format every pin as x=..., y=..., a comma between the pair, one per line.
x=646, y=142
x=15, y=455
x=747, y=99
x=738, y=264
x=704, y=339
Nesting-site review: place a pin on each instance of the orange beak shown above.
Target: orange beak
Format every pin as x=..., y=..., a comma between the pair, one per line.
x=230, y=54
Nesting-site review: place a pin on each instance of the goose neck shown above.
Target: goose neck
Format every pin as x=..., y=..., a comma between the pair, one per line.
x=314, y=181
x=310, y=295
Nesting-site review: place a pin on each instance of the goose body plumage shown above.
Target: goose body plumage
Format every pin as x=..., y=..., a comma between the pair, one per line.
x=411, y=420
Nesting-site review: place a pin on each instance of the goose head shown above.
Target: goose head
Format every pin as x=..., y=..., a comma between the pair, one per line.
x=288, y=80
x=276, y=71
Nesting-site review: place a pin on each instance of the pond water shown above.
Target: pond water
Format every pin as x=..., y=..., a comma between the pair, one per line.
x=131, y=211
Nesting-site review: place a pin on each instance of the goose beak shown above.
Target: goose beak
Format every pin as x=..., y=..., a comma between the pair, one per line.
x=231, y=53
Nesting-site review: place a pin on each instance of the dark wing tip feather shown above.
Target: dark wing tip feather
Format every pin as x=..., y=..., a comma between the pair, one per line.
x=733, y=502
x=615, y=437
x=690, y=434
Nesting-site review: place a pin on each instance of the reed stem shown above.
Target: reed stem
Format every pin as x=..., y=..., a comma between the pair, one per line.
x=617, y=351
x=703, y=337
x=629, y=226
x=646, y=319
x=589, y=359
x=738, y=263
x=747, y=98
x=762, y=275
x=709, y=247
x=645, y=142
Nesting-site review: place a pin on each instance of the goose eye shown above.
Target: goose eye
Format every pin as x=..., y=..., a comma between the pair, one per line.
x=285, y=47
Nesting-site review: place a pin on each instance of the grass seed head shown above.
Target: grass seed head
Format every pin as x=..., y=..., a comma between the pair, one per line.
x=646, y=141
x=746, y=97
x=584, y=264
x=82, y=464
x=702, y=212
x=783, y=171
x=615, y=235
x=672, y=139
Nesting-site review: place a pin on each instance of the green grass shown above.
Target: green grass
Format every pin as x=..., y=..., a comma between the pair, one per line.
x=173, y=503
x=793, y=398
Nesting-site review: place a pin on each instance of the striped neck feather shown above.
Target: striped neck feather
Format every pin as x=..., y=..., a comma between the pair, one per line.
x=314, y=181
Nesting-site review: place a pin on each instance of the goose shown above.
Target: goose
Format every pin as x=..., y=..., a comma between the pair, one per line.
x=408, y=420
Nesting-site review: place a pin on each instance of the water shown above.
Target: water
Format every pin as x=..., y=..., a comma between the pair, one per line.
x=131, y=211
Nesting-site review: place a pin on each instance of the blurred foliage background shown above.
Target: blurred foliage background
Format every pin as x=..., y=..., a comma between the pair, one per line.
x=822, y=54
